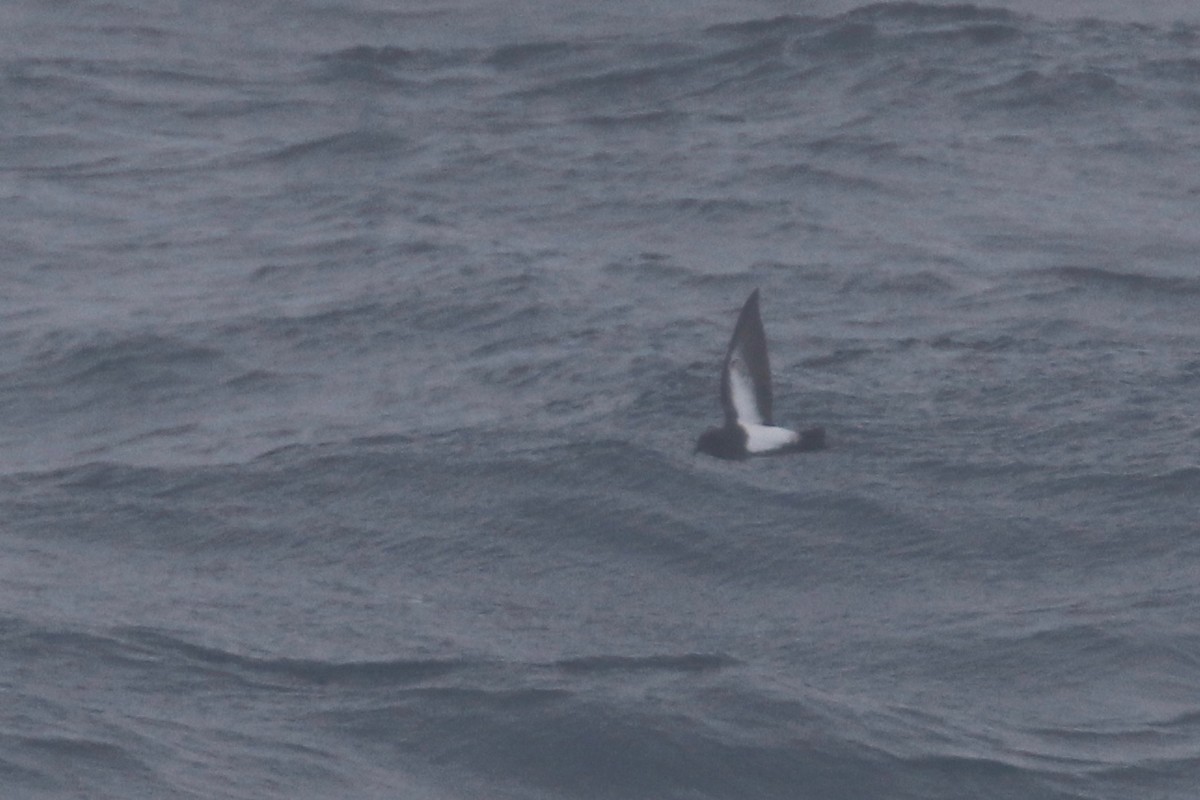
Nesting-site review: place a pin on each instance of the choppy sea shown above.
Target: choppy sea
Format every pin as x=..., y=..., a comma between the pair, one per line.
x=353, y=352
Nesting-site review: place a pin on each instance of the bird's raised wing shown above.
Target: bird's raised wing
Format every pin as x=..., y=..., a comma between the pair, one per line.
x=746, y=374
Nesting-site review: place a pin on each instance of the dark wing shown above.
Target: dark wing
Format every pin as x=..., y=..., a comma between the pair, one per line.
x=746, y=374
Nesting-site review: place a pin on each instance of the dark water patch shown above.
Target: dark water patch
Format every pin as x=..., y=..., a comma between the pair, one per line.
x=668, y=390
x=815, y=276
x=617, y=748
x=923, y=283
x=90, y=751
x=259, y=380
x=1112, y=741
x=1053, y=92
x=390, y=66
x=653, y=83
x=600, y=665
x=1129, y=282
x=121, y=371
x=874, y=149
x=59, y=764
x=989, y=34
x=352, y=326
x=39, y=641
x=1045, y=649
x=1188, y=372
x=139, y=33
x=885, y=29
x=850, y=38
x=141, y=359
x=589, y=522
x=103, y=477
x=836, y=358
x=751, y=63
x=387, y=56
x=980, y=776
x=294, y=503
x=113, y=504
x=152, y=80
x=637, y=120
x=629, y=83
x=759, y=524
x=649, y=265
x=533, y=54
x=357, y=674
x=926, y=13
x=1185, y=70
x=1169, y=776
x=721, y=209
x=18, y=775
x=809, y=176
x=1120, y=490
x=999, y=343
x=63, y=74
x=983, y=468
x=167, y=432
x=876, y=31
x=372, y=144
x=59, y=155
x=784, y=25
x=691, y=662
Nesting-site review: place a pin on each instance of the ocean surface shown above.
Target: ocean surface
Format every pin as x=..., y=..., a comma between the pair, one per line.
x=353, y=353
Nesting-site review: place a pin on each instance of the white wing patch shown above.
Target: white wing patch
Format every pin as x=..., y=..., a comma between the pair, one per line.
x=741, y=391
x=765, y=438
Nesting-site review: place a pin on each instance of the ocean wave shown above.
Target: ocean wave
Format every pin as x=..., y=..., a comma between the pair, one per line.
x=393, y=67
x=187, y=655
x=534, y=54
x=1121, y=488
x=33, y=766
x=599, y=665
x=884, y=28
x=567, y=744
x=355, y=144
x=1125, y=281
x=1185, y=69
x=1061, y=90
x=926, y=12
x=76, y=371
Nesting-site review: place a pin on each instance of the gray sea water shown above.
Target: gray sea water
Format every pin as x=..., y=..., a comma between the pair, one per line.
x=352, y=355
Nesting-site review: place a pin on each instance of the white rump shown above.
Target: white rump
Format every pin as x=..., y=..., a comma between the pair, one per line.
x=765, y=438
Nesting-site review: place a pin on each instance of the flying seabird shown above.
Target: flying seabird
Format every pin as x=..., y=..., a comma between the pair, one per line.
x=746, y=398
